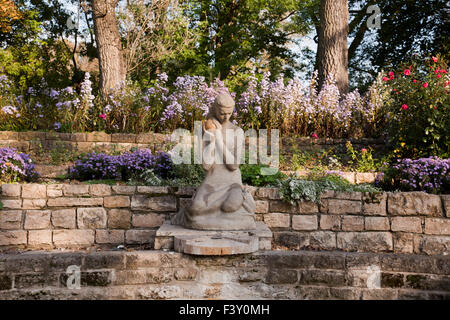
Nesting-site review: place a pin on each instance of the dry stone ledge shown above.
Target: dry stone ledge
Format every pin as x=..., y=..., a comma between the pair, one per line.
x=159, y=275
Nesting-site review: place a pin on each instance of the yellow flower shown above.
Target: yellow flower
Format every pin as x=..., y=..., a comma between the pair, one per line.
x=402, y=144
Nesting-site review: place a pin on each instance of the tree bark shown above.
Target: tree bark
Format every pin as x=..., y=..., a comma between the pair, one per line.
x=332, y=49
x=107, y=38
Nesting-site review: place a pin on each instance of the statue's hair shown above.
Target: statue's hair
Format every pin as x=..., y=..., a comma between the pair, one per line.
x=224, y=99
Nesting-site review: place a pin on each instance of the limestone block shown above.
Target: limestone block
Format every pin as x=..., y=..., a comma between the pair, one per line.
x=406, y=224
x=352, y=223
x=116, y=202
x=76, y=189
x=10, y=219
x=330, y=222
x=437, y=226
x=67, y=238
x=365, y=241
x=54, y=190
x=37, y=219
x=34, y=191
x=40, y=238
x=33, y=203
x=100, y=190
x=149, y=220
x=336, y=206
x=119, y=219
x=375, y=204
x=91, y=218
x=64, y=218
x=277, y=220
x=377, y=224
x=10, y=190
x=109, y=236
x=304, y=223
x=13, y=237
x=139, y=236
x=12, y=204
x=262, y=206
x=124, y=189
x=414, y=203
x=74, y=202
x=157, y=204
x=307, y=207
x=155, y=190
x=281, y=206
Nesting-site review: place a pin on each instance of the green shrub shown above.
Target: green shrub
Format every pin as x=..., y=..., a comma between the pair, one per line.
x=418, y=110
x=310, y=189
x=253, y=175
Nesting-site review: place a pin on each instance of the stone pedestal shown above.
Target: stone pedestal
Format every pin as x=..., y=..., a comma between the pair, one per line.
x=203, y=242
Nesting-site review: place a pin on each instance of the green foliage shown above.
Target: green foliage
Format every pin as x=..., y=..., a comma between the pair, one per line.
x=293, y=190
x=254, y=175
x=362, y=161
x=418, y=110
x=235, y=33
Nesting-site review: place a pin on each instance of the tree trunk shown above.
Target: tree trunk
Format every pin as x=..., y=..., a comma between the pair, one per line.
x=332, y=49
x=107, y=37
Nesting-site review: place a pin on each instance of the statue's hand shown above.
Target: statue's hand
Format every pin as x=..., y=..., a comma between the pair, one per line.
x=210, y=126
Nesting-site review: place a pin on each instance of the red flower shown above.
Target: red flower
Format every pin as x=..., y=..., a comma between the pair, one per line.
x=425, y=85
x=435, y=59
x=314, y=135
x=434, y=107
x=102, y=116
x=443, y=71
x=391, y=77
x=385, y=79
x=414, y=80
x=391, y=73
x=438, y=76
x=407, y=72
x=405, y=106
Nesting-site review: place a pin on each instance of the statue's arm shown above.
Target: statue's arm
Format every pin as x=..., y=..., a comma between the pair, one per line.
x=208, y=150
x=229, y=156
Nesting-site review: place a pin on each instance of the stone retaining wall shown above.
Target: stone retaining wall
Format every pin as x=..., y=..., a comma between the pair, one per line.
x=101, y=141
x=264, y=275
x=70, y=215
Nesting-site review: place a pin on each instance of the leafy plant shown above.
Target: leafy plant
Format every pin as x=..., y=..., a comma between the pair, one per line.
x=310, y=189
x=418, y=109
x=254, y=175
x=363, y=160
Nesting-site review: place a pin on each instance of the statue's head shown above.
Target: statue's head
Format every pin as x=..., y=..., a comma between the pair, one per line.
x=223, y=107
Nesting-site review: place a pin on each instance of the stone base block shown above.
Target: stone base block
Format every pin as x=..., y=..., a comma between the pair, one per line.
x=253, y=240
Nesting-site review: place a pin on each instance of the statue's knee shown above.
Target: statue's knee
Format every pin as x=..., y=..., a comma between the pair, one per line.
x=196, y=206
x=233, y=202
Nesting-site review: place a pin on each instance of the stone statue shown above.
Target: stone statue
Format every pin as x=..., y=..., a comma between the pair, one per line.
x=221, y=202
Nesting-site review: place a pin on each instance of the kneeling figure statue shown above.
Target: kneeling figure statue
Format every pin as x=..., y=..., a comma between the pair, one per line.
x=221, y=202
